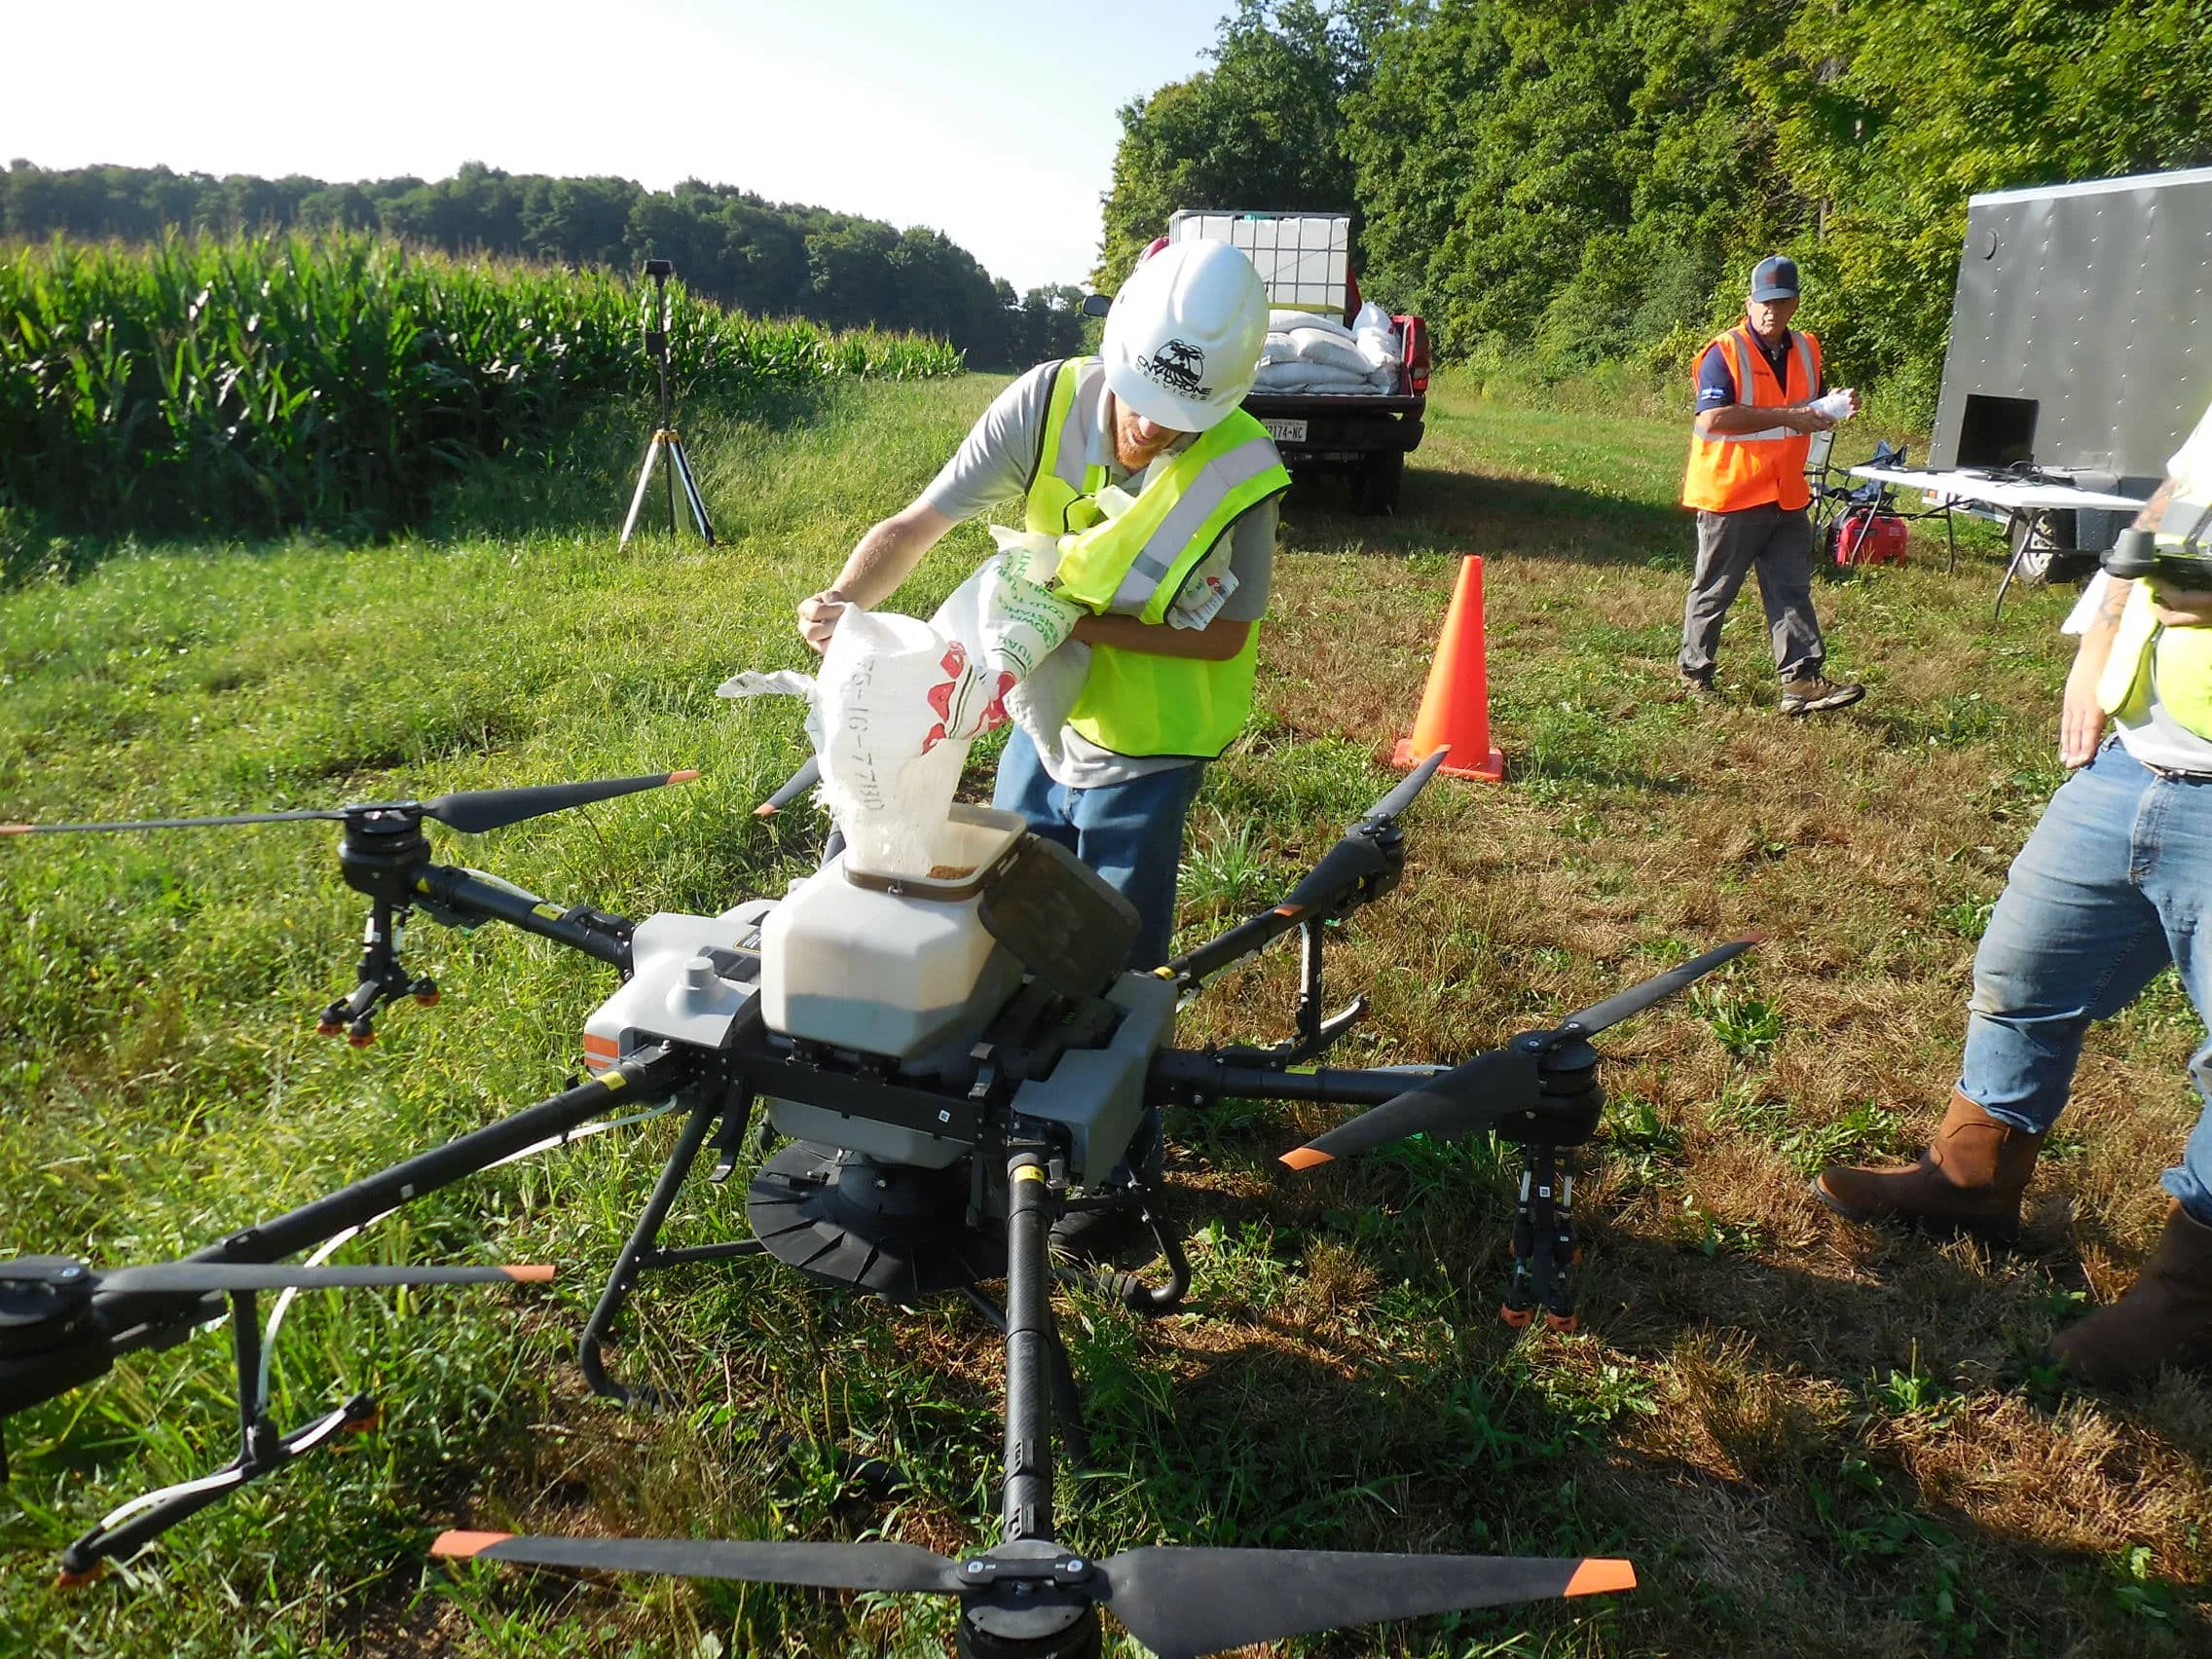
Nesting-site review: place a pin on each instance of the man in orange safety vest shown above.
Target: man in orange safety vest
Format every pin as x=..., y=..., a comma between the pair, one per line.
x=1756, y=391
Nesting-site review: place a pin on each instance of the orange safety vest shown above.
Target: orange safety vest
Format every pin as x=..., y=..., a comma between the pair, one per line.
x=1750, y=469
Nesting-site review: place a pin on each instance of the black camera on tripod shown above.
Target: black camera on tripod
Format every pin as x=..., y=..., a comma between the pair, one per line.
x=656, y=326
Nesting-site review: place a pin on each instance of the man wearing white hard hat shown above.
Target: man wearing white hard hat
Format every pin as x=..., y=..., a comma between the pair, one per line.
x=1176, y=583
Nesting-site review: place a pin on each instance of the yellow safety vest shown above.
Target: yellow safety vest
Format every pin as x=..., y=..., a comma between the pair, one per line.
x=2147, y=656
x=1135, y=565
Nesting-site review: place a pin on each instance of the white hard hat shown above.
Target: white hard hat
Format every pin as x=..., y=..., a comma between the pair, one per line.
x=1184, y=338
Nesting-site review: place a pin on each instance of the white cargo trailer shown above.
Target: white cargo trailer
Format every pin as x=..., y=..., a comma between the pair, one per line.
x=2081, y=332
x=2080, y=357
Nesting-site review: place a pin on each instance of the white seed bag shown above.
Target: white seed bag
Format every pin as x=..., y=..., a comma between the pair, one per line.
x=899, y=700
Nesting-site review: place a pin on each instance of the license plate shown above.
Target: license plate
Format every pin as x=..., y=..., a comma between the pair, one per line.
x=1286, y=432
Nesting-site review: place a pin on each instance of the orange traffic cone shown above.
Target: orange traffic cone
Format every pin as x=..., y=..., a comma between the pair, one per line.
x=1454, y=707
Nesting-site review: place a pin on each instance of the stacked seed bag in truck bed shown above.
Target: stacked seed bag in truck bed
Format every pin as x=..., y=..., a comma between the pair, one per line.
x=1310, y=351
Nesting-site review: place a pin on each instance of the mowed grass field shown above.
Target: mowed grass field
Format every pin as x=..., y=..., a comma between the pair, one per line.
x=1811, y=1439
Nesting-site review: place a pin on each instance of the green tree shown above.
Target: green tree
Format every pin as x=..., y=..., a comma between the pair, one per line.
x=1573, y=178
x=1891, y=116
x=1047, y=323
x=1262, y=129
x=772, y=259
x=579, y=221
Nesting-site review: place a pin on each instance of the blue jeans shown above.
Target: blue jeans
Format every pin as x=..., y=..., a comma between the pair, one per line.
x=2115, y=884
x=1130, y=834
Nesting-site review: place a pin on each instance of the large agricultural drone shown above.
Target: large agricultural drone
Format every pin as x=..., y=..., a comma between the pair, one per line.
x=923, y=1167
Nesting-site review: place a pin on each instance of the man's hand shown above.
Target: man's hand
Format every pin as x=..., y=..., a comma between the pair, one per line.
x=2081, y=722
x=873, y=570
x=818, y=616
x=1733, y=419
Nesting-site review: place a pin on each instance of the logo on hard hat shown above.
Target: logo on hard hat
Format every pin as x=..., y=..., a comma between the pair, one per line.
x=1178, y=366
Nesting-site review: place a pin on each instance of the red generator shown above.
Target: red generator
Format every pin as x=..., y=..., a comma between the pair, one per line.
x=1868, y=535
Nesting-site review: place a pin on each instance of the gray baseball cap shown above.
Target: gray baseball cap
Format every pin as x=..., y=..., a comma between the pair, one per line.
x=1775, y=278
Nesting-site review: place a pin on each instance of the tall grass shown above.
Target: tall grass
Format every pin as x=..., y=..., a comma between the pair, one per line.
x=262, y=384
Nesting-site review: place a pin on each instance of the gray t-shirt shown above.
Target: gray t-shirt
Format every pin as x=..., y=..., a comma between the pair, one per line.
x=995, y=463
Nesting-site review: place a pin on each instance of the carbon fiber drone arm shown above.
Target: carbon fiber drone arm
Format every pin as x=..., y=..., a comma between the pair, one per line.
x=1364, y=865
x=466, y=897
x=1502, y=1089
x=1190, y=1076
x=122, y=1321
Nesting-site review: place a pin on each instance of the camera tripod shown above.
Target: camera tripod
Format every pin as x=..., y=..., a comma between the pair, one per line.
x=665, y=446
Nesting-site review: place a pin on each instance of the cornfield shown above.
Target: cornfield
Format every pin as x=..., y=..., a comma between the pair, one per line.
x=262, y=384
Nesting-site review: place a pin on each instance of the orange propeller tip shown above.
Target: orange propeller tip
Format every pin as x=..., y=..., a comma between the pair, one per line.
x=463, y=1546
x=1306, y=1157
x=1597, y=1577
x=67, y=1580
x=531, y=1273
x=15, y=828
x=1288, y=910
x=764, y=810
x=681, y=777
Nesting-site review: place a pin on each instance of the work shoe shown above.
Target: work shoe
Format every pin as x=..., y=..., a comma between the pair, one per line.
x=2165, y=1319
x=1969, y=1179
x=1811, y=696
x=1698, y=688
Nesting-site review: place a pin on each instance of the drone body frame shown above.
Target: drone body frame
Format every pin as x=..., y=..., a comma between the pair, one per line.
x=1021, y=1154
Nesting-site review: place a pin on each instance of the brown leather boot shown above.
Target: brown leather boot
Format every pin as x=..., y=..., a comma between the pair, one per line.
x=2165, y=1319
x=1970, y=1178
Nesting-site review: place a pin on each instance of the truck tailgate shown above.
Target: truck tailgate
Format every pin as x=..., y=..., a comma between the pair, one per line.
x=1278, y=405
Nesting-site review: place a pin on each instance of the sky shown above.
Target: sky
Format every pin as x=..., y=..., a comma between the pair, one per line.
x=988, y=120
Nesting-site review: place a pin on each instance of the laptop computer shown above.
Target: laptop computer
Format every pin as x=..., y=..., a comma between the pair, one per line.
x=1996, y=432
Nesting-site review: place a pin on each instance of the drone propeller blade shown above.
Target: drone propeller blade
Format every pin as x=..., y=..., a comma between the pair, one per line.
x=1493, y=1084
x=1190, y=1601
x=170, y=822
x=474, y=811
x=249, y=1276
x=818, y=1567
x=1636, y=998
x=1333, y=882
x=1358, y=855
x=799, y=781
x=1393, y=804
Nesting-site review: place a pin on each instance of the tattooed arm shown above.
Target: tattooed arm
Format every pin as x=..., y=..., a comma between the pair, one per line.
x=2081, y=722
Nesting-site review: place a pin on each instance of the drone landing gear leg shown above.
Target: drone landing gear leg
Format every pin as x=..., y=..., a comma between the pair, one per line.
x=1544, y=1251
x=639, y=1254
x=379, y=979
x=262, y=1450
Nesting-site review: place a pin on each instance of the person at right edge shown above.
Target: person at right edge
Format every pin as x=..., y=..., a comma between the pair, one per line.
x=1756, y=390
x=2114, y=883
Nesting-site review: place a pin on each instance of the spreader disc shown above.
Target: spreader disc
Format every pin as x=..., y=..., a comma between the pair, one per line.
x=889, y=1229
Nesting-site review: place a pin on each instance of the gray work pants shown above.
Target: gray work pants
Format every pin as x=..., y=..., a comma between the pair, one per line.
x=1779, y=545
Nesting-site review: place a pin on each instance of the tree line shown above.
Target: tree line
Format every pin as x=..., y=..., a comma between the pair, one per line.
x=765, y=258
x=1569, y=183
